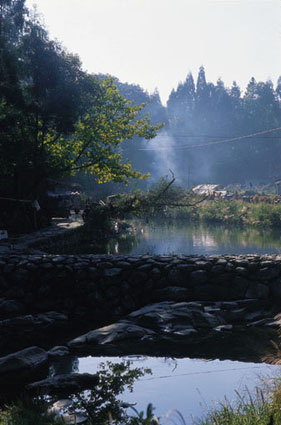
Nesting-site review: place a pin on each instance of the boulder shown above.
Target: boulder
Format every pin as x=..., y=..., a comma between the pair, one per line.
x=172, y=293
x=10, y=308
x=58, y=351
x=111, y=334
x=23, y=367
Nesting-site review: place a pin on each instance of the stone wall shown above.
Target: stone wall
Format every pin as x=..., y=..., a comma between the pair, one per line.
x=106, y=287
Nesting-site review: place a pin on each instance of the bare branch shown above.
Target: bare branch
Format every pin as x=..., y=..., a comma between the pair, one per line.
x=167, y=187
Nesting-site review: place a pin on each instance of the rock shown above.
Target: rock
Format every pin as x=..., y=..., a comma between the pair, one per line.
x=171, y=293
x=112, y=272
x=138, y=277
x=58, y=351
x=193, y=305
x=186, y=268
x=241, y=271
x=239, y=287
x=123, y=264
x=226, y=305
x=47, y=266
x=222, y=279
x=145, y=267
x=216, y=270
x=155, y=273
x=223, y=328
x=206, y=320
x=275, y=288
x=199, y=276
x=212, y=309
x=128, y=303
x=234, y=316
x=241, y=263
x=257, y=290
x=267, y=273
x=32, y=267
x=229, y=267
x=63, y=385
x=221, y=262
x=264, y=322
x=116, y=332
x=256, y=315
x=204, y=265
x=8, y=268
x=22, y=365
x=20, y=275
x=105, y=265
x=186, y=332
x=9, y=308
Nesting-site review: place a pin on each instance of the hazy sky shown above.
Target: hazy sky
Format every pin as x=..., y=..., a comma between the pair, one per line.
x=155, y=43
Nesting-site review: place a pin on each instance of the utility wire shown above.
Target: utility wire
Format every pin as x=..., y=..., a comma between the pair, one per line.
x=200, y=373
x=217, y=142
x=205, y=136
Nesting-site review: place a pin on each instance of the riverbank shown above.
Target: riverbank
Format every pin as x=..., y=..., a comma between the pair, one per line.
x=230, y=212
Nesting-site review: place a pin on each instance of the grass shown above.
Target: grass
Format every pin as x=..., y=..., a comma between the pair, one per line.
x=27, y=412
x=262, y=408
x=231, y=213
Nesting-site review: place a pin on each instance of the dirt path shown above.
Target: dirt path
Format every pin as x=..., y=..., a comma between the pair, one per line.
x=23, y=243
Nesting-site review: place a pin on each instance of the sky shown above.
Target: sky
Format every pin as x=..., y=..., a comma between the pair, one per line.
x=156, y=43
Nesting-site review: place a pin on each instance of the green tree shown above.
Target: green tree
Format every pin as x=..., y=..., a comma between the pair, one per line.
x=95, y=144
x=59, y=120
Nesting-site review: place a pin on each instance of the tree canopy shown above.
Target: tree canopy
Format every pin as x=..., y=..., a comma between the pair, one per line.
x=56, y=119
x=213, y=112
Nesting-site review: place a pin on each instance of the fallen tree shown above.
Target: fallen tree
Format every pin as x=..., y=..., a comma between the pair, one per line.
x=153, y=202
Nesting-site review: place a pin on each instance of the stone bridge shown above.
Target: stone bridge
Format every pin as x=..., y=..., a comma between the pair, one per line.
x=106, y=287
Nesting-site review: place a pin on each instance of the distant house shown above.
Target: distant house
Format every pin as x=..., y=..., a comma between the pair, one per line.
x=210, y=190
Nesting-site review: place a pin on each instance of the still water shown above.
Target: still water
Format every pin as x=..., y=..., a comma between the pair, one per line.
x=193, y=238
x=190, y=386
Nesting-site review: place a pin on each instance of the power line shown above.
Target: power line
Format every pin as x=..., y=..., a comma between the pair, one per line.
x=197, y=136
x=234, y=369
x=217, y=142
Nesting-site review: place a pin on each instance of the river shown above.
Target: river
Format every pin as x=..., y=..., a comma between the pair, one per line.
x=193, y=238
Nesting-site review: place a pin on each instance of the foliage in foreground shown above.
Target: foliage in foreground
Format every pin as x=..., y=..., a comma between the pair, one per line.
x=103, y=407
x=102, y=404
x=28, y=412
x=258, y=409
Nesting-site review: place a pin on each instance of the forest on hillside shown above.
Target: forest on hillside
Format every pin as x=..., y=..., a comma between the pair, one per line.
x=203, y=113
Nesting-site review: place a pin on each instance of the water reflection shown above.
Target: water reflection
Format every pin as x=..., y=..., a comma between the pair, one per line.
x=191, y=238
x=177, y=238
x=186, y=384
